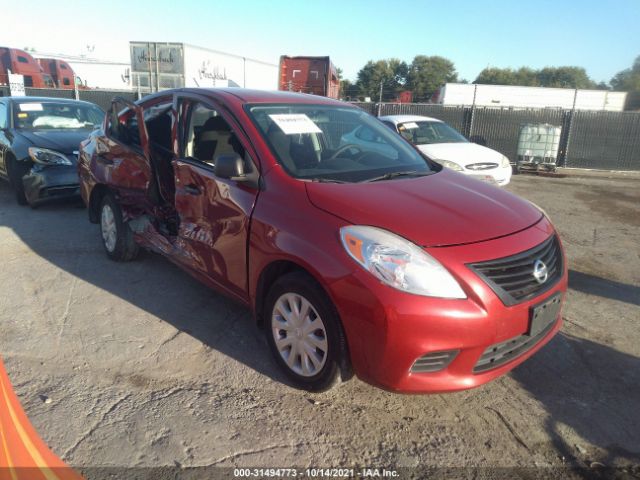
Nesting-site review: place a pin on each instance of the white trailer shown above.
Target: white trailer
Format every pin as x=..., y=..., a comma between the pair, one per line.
x=508, y=96
x=157, y=66
x=94, y=73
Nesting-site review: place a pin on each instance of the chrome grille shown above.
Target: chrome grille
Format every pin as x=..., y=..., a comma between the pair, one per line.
x=481, y=166
x=434, y=361
x=512, y=279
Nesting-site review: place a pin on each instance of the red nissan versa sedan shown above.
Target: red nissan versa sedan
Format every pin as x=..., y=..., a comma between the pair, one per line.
x=376, y=261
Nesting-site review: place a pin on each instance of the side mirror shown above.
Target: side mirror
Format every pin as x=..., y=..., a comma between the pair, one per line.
x=229, y=166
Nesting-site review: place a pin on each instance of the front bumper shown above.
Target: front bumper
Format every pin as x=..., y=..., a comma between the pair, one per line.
x=49, y=183
x=500, y=176
x=388, y=330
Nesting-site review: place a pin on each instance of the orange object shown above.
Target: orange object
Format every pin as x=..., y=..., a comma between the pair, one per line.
x=23, y=454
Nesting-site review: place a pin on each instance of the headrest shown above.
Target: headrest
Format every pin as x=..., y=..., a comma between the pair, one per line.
x=216, y=123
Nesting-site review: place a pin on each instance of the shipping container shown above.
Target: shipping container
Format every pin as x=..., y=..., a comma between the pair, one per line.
x=156, y=66
x=314, y=75
x=509, y=96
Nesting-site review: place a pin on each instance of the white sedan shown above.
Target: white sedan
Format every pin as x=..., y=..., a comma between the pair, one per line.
x=449, y=148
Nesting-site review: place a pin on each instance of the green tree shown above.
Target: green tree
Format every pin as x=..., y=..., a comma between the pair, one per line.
x=562, y=77
x=496, y=76
x=427, y=74
x=348, y=90
x=506, y=76
x=391, y=73
x=565, y=77
x=628, y=80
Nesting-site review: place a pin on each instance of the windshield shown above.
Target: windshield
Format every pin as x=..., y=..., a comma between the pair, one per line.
x=425, y=132
x=330, y=143
x=52, y=115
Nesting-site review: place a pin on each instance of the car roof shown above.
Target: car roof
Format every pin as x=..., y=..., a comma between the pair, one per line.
x=27, y=99
x=247, y=95
x=396, y=119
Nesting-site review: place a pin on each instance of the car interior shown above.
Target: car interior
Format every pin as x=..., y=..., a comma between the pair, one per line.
x=208, y=136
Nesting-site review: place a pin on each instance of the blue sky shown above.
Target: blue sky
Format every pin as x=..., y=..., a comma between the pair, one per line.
x=602, y=36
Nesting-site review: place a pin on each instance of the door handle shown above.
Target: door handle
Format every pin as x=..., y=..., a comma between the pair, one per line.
x=192, y=190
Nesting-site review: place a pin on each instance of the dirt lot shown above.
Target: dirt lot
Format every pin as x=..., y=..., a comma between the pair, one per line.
x=144, y=366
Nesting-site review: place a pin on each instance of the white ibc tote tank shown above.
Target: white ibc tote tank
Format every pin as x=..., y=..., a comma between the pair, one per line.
x=538, y=145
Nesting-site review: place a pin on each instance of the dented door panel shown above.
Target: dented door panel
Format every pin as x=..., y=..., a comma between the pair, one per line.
x=120, y=166
x=214, y=224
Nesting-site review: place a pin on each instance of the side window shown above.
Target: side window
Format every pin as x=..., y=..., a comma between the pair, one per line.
x=3, y=115
x=124, y=128
x=159, y=120
x=66, y=81
x=208, y=135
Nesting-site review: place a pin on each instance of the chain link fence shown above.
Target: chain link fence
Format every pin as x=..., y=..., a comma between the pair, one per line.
x=589, y=139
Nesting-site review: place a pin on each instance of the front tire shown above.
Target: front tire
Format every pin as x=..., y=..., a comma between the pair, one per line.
x=117, y=237
x=17, y=170
x=304, y=333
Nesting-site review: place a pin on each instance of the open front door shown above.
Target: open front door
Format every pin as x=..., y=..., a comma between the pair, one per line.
x=122, y=154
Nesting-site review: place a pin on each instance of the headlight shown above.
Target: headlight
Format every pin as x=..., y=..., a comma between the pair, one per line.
x=48, y=157
x=398, y=262
x=450, y=164
x=504, y=162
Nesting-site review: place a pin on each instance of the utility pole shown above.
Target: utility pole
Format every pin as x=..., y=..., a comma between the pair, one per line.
x=380, y=99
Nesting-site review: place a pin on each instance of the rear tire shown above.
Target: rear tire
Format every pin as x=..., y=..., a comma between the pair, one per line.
x=117, y=237
x=17, y=170
x=304, y=332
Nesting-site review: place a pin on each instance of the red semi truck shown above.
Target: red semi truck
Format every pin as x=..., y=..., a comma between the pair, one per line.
x=315, y=75
x=60, y=71
x=20, y=62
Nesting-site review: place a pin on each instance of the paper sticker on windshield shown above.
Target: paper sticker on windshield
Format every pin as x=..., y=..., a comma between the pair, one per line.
x=410, y=125
x=292, y=123
x=30, y=107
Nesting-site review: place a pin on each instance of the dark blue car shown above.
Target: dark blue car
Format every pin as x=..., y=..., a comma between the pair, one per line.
x=39, y=139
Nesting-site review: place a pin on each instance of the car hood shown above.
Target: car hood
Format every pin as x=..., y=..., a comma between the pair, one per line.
x=463, y=154
x=446, y=208
x=64, y=141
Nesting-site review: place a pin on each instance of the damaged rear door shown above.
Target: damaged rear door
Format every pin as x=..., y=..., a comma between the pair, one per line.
x=122, y=158
x=214, y=212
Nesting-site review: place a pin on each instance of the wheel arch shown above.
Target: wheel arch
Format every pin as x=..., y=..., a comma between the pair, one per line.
x=95, y=199
x=276, y=269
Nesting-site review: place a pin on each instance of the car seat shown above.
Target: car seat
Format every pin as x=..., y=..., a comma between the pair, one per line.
x=214, y=140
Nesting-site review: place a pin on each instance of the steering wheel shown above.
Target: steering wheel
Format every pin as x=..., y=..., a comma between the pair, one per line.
x=344, y=148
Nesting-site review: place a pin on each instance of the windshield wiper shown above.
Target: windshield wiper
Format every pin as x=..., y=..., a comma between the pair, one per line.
x=325, y=180
x=390, y=175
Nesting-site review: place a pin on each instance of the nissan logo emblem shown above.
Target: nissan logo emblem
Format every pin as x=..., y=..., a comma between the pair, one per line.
x=540, y=271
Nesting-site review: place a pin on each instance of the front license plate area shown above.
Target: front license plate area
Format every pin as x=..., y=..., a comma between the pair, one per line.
x=543, y=314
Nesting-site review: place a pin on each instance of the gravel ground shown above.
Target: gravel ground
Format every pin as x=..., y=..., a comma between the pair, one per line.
x=144, y=366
